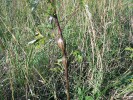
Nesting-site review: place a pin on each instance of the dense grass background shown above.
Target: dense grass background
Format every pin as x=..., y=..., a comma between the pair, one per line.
x=99, y=66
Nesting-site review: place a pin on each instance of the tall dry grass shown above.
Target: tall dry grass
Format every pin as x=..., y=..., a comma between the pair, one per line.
x=96, y=34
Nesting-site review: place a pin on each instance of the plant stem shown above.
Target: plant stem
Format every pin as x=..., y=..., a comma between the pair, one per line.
x=64, y=59
x=61, y=44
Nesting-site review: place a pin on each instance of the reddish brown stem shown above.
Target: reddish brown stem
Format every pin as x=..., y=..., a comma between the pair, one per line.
x=62, y=46
x=59, y=28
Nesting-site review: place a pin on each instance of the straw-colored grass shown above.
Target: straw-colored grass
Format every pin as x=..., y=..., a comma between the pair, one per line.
x=96, y=33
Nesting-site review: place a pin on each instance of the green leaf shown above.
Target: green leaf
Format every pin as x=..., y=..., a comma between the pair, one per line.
x=40, y=43
x=88, y=98
x=129, y=49
x=131, y=56
x=80, y=58
x=57, y=69
x=79, y=91
x=75, y=53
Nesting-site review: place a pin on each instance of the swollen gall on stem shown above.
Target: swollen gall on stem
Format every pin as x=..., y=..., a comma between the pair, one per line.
x=60, y=43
